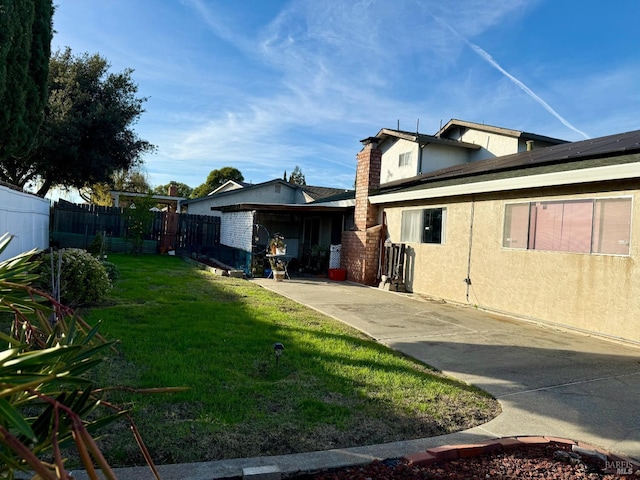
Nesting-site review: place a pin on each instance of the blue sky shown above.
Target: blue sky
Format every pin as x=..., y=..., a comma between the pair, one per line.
x=265, y=85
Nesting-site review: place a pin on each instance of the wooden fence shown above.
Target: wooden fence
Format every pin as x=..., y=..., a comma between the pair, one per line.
x=76, y=226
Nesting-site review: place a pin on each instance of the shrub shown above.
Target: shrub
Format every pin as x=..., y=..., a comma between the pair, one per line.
x=83, y=279
x=97, y=246
x=112, y=271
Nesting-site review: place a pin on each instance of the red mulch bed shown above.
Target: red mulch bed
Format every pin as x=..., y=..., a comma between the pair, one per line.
x=550, y=461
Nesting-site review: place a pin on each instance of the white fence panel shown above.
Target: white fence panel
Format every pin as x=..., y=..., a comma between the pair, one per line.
x=26, y=217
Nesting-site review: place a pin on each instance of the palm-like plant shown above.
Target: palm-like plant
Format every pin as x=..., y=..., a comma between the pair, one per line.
x=45, y=397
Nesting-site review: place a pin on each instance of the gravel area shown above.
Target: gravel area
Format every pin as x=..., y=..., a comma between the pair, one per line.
x=550, y=461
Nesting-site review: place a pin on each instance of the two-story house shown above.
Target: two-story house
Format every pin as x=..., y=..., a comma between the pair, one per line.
x=538, y=228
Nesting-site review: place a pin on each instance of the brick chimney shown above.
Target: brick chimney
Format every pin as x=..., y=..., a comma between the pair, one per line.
x=361, y=247
x=173, y=190
x=367, y=180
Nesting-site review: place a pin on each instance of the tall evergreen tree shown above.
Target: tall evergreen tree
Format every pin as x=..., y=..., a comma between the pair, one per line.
x=297, y=177
x=25, y=48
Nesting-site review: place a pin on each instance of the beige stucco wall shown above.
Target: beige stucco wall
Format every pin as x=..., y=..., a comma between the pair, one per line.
x=595, y=293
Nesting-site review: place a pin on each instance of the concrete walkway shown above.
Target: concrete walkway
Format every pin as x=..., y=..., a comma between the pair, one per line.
x=549, y=381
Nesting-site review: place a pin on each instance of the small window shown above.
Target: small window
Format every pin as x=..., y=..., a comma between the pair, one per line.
x=423, y=226
x=404, y=159
x=278, y=187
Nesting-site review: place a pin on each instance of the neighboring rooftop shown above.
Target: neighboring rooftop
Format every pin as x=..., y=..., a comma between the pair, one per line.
x=312, y=192
x=324, y=193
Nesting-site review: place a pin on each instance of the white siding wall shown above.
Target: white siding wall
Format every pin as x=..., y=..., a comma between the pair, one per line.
x=202, y=208
x=271, y=193
x=236, y=229
x=493, y=145
x=391, y=150
x=436, y=156
x=27, y=218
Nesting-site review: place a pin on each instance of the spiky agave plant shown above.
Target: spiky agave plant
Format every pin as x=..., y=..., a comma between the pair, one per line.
x=45, y=396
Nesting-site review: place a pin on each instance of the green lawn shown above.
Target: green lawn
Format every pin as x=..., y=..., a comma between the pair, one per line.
x=333, y=387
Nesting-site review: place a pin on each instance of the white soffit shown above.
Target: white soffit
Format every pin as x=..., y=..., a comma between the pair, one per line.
x=585, y=175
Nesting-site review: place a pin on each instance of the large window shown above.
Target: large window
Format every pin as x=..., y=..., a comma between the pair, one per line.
x=423, y=226
x=582, y=226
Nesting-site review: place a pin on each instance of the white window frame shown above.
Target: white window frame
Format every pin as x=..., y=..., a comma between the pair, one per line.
x=416, y=232
x=404, y=159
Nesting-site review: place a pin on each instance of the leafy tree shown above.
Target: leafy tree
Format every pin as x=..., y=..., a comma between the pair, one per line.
x=25, y=48
x=139, y=218
x=215, y=179
x=133, y=180
x=297, y=177
x=87, y=133
x=183, y=189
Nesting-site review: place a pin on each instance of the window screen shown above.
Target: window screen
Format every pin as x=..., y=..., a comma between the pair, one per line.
x=582, y=226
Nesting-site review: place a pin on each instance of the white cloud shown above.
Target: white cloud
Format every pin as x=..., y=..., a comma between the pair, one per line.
x=321, y=68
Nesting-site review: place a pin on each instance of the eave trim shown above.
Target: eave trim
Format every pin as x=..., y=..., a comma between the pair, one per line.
x=568, y=177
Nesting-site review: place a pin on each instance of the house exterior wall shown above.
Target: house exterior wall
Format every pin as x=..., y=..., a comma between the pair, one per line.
x=588, y=292
x=436, y=270
x=236, y=229
x=272, y=193
x=391, y=150
x=436, y=156
x=492, y=144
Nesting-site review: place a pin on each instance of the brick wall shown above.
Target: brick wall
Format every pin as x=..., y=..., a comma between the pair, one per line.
x=360, y=255
x=236, y=230
x=361, y=247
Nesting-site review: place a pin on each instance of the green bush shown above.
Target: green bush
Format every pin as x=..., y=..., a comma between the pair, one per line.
x=97, y=246
x=112, y=271
x=83, y=278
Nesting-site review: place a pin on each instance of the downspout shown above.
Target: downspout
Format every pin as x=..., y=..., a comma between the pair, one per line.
x=468, y=279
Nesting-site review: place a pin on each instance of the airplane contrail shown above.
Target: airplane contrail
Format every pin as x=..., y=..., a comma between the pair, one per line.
x=488, y=58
